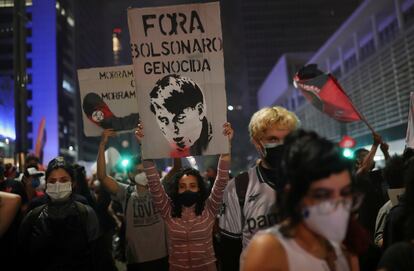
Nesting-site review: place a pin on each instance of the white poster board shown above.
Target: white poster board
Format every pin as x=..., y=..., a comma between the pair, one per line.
x=178, y=63
x=108, y=99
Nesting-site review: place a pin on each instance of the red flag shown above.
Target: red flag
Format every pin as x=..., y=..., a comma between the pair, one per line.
x=325, y=93
x=41, y=139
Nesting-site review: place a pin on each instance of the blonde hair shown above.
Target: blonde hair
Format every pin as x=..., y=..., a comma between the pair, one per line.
x=269, y=116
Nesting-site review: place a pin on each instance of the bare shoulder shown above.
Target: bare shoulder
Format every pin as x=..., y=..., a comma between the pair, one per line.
x=266, y=253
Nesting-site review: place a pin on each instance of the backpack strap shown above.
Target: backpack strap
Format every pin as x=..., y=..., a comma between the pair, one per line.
x=241, y=183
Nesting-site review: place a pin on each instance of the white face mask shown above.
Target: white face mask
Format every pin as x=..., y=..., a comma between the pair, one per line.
x=328, y=220
x=58, y=190
x=141, y=179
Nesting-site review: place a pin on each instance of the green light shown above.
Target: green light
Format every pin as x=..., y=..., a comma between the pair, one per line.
x=348, y=153
x=125, y=163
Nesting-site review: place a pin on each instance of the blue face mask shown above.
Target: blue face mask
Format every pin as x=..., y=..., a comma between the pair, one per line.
x=35, y=182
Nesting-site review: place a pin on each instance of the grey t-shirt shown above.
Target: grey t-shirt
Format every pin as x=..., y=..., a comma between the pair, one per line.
x=146, y=235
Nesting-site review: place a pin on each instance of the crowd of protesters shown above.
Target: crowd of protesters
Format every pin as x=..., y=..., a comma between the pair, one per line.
x=301, y=206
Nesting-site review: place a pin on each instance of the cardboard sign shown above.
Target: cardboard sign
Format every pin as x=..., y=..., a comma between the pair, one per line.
x=178, y=61
x=109, y=99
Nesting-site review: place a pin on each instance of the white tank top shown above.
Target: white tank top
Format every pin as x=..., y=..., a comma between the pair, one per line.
x=299, y=259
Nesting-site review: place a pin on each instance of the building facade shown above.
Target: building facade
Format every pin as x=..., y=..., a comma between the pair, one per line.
x=372, y=55
x=51, y=89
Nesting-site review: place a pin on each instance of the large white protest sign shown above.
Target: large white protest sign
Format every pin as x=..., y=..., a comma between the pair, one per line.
x=409, y=139
x=108, y=98
x=177, y=56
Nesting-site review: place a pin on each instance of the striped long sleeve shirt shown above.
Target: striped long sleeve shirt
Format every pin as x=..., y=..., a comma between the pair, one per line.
x=190, y=236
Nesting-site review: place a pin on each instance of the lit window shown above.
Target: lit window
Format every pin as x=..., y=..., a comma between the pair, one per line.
x=70, y=21
x=63, y=12
x=57, y=5
x=116, y=44
x=68, y=86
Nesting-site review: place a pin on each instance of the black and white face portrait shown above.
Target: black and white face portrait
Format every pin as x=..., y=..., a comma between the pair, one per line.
x=179, y=107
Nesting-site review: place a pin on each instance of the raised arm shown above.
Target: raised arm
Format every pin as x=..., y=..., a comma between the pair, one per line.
x=369, y=159
x=177, y=165
x=107, y=182
x=384, y=148
x=214, y=200
x=160, y=198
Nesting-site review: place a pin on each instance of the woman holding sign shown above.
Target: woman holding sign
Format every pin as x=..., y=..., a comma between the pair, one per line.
x=188, y=213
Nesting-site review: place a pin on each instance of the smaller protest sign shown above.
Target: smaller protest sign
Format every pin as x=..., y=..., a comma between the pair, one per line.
x=108, y=99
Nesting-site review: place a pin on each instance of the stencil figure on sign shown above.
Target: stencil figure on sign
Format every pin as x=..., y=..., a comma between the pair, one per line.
x=179, y=107
x=99, y=113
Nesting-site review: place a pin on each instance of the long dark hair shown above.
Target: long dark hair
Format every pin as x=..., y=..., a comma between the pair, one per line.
x=203, y=194
x=307, y=158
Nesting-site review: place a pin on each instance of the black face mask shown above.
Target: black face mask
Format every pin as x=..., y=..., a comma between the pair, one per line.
x=273, y=155
x=188, y=198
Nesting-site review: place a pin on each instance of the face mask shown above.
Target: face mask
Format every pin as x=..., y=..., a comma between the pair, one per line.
x=188, y=198
x=35, y=182
x=329, y=223
x=141, y=179
x=59, y=191
x=273, y=153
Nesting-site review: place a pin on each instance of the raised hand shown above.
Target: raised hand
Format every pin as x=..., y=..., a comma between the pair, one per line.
x=376, y=138
x=139, y=132
x=228, y=131
x=106, y=134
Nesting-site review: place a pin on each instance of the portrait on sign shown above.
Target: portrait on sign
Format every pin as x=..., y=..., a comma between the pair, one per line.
x=180, y=109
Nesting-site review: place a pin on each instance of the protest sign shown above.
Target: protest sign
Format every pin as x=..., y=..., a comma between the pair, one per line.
x=409, y=139
x=108, y=99
x=178, y=61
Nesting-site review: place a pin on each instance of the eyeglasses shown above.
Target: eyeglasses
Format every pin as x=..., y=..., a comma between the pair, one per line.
x=351, y=203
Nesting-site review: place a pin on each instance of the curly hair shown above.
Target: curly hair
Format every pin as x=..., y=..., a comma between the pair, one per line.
x=203, y=192
x=268, y=116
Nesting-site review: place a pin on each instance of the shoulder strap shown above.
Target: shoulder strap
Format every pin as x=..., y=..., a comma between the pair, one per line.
x=241, y=183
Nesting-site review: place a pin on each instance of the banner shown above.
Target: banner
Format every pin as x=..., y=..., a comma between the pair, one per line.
x=409, y=139
x=323, y=91
x=178, y=61
x=41, y=140
x=108, y=99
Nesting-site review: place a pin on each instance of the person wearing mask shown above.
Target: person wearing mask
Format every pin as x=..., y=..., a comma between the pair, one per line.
x=31, y=181
x=250, y=201
x=63, y=229
x=145, y=232
x=189, y=213
x=317, y=208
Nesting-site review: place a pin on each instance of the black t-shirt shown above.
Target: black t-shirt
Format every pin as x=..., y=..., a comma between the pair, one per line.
x=371, y=185
x=399, y=257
